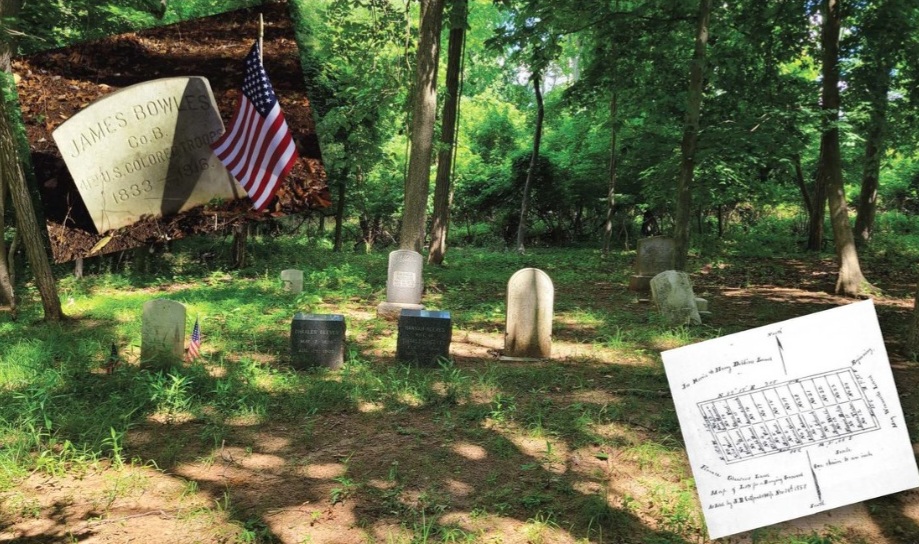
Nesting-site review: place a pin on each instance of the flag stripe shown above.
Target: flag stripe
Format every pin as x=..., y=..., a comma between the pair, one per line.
x=257, y=149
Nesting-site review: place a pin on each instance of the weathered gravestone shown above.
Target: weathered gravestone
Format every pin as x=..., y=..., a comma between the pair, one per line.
x=144, y=150
x=655, y=255
x=424, y=337
x=672, y=293
x=317, y=340
x=403, y=284
x=292, y=280
x=528, y=330
x=162, y=338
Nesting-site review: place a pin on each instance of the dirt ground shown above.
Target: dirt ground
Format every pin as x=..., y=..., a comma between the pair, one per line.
x=359, y=475
x=55, y=85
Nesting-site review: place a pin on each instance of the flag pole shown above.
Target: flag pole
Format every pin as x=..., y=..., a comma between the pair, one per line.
x=261, y=36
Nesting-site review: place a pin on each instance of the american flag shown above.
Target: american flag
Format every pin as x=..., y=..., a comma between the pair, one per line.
x=194, y=345
x=257, y=148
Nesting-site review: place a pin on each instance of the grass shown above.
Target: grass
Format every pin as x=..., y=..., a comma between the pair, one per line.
x=532, y=428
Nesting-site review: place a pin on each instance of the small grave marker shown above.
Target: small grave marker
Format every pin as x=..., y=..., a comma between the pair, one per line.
x=162, y=333
x=317, y=340
x=672, y=293
x=292, y=280
x=528, y=329
x=424, y=337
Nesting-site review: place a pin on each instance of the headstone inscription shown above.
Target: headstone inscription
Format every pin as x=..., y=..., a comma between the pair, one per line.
x=424, y=337
x=292, y=280
x=144, y=150
x=655, y=255
x=317, y=340
x=404, y=284
x=528, y=329
x=672, y=293
x=162, y=342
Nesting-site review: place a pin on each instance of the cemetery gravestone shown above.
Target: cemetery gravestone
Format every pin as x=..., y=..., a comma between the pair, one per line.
x=144, y=150
x=672, y=293
x=424, y=337
x=528, y=330
x=162, y=333
x=655, y=255
x=292, y=280
x=317, y=340
x=403, y=284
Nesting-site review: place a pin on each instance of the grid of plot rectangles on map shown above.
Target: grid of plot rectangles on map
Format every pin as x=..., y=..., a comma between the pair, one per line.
x=788, y=415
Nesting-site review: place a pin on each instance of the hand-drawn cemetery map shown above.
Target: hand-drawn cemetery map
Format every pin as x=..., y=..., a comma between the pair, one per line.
x=791, y=419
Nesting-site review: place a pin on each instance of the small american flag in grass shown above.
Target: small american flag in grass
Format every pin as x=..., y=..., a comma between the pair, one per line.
x=194, y=345
x=257, y=148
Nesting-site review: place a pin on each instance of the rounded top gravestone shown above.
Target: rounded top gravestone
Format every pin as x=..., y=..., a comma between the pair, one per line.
x=528, y=330
x=403, y=280
x=145, y=150
x=162, y=333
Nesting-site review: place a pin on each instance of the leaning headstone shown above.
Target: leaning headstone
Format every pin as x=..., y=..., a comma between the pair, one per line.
x=403, y=284
x=528, y=330
x=672, y=293
x=162, y=340
x=144, y=150
x=292, y=280
x=317, y=340
x=424, y=337
x=655, y=255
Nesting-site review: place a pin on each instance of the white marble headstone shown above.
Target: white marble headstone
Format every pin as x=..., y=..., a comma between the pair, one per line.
x=162, y=332
x=292, y=280
x=403, y=282
x=672, y=293
x=144, y=150
x=528, y=330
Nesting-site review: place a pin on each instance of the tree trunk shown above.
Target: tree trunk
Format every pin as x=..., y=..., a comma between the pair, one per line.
x=340, y=211
x=8, y=8
x=912, y=336
x=13, y=179
x=850, y=281
x=802, y=185
x=681, y=227
x=537, y=138
x=424, y=111
x=611, y=192
x=240, y=236
x=440, y=226
x=817, y=211
x=26, y=221
x=874, y=149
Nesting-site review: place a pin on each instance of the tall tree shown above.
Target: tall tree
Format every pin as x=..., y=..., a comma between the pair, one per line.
x=442, y=185
x=534, y=157
x=613, y=160
x=424, y=106
x=26, y=222
x=8, y=10
x=882, y=32
x=13, y=177
x=681, y=228
x=850, y=281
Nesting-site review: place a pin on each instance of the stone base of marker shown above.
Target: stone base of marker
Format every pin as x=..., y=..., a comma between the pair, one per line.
x=702, y=306
x=424, y=337
x=390, y=311
x=317, y=340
